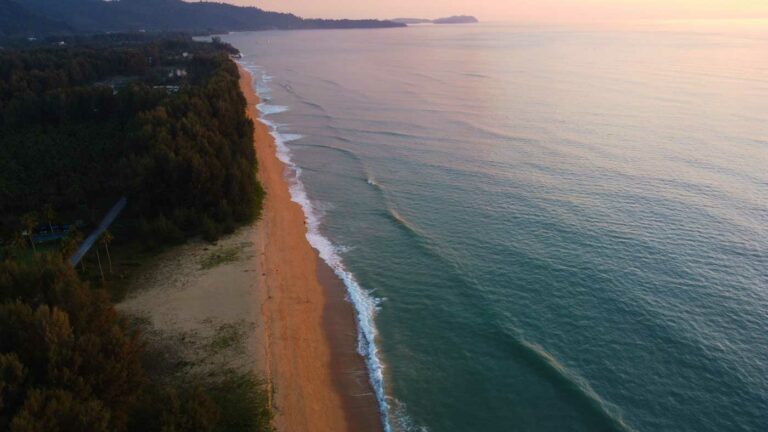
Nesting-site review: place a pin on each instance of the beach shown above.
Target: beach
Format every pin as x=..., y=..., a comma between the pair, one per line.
x=266, y=286
x=298, y=331
x=320, y=380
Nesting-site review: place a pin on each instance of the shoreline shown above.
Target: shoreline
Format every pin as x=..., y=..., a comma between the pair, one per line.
x=310, y=359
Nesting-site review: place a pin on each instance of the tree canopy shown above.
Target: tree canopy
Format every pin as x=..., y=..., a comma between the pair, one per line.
x=162, y=122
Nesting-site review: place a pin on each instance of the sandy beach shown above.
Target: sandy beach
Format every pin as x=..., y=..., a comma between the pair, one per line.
x=320, y=380
x=266, y=285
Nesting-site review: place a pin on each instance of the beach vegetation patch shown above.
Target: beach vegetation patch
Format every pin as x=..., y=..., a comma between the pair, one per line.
x=221, y=256
x=229, y=337
x=244, y=399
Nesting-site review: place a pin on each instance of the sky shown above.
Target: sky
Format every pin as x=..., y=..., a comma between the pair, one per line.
x=525, y=11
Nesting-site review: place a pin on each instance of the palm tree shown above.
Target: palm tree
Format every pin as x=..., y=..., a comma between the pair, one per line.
x=50, y=214
x=70, y=243
x=29, y=221
x=106, y=239
x=17, y=244
x=98, y=259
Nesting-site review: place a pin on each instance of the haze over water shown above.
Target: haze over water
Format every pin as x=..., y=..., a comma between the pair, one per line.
x=568, y=229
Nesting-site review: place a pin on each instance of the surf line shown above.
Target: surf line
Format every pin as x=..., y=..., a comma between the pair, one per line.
x=364, y=304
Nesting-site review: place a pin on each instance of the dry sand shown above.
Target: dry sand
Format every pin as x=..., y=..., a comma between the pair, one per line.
x=288, y=306
x=189, y=298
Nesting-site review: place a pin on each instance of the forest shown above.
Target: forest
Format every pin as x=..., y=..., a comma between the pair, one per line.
x=161, y=121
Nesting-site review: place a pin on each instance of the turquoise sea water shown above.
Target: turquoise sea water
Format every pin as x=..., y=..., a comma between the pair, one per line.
x=560, y=230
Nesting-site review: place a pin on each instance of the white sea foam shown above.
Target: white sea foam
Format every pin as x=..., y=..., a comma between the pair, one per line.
x=268, y=109
x=263, y=90
x=291, y=137
x=365, y=304
x=402, y=420
x=342, y=249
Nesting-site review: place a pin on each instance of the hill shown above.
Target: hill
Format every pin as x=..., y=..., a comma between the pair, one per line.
x=95, y=16
x=14, y=19
x=458, y=19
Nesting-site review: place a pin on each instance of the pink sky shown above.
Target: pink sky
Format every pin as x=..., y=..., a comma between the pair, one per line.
x=526, y=11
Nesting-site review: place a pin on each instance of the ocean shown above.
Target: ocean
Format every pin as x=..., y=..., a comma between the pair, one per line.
x=542, y=229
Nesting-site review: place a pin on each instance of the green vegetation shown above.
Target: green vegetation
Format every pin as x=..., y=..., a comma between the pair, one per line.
x=67, y=358
x=214, y=359
x=228, y=336
x=242, y=397
x=161, y=121
x=222, y=256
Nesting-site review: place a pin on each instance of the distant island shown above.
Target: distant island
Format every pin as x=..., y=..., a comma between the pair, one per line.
x=457, y=19
x=410, y=21
x=27, y=18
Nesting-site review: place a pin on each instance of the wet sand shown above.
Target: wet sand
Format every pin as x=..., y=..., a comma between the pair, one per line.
x=309, y=329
